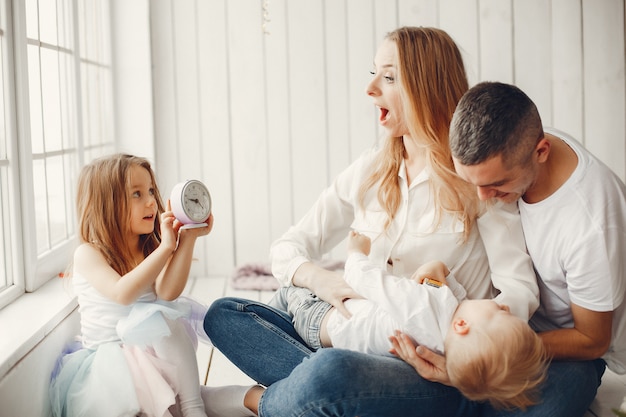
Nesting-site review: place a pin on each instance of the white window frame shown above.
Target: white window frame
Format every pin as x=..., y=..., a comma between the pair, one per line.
x=91, y=127
x=11, y=215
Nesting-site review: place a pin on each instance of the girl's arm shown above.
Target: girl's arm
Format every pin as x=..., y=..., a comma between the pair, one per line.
x=89, y=262
x=173, y=278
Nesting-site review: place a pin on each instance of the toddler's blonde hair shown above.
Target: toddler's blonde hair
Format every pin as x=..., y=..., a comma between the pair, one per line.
x=502, y=363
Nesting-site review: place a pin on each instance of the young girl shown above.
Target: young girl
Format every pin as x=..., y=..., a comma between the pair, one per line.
x=136, y=354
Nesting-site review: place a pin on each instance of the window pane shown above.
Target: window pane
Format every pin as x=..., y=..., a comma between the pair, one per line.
x=41, y=206
x=11, y=284
x=50, y=99
x=36, y=121
x=6, y=272
x=70, y=175
x=67, y=82
x=53, y=144
x=3, y=129
x=92, y=103
x=57, y=201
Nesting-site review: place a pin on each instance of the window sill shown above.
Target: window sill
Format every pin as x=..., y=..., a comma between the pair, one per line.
x=30, y=318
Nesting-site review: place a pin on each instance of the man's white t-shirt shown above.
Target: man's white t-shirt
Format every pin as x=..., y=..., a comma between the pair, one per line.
x=577, y=240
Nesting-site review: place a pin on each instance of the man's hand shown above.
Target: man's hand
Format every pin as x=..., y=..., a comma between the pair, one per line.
x=428, y=364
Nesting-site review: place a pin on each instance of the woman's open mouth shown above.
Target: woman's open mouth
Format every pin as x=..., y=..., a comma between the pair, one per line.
x=384, y=113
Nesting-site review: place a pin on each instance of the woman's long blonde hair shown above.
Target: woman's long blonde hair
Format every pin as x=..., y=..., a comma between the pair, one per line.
x=104, y=210
x=432, y=78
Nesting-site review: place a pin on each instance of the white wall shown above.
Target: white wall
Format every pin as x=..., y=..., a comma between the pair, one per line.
x=24, y=390
x=267, y=119
x=134, y=124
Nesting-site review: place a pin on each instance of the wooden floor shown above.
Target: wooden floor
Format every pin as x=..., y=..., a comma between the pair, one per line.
x=216, y=370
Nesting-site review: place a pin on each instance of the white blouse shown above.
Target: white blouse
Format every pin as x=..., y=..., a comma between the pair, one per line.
x=493, y=259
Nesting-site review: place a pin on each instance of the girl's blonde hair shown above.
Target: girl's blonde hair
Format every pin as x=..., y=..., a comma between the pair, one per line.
x=432, y=78
x=504, y=364
x=103, y=209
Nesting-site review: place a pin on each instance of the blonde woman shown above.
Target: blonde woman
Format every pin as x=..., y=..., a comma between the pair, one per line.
x=406, y=197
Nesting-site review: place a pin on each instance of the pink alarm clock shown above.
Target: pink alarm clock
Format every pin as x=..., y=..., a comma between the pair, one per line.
x=191, y=203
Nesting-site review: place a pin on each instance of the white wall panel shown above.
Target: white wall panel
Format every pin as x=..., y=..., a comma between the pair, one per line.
x=338, y=82
x=566, y=62
x=165, y=103
x=495, y=23
x=385, y=16
x=134, y=120
x=459, y=20
x=604, y=89
x=248, y=130
x=418, y=13
x=214, y=154
x=278, y=110
x=532, y=31
x=307, y=78
x=361, y=45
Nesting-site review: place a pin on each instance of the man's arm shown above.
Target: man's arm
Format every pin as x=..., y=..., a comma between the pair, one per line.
x=590, y=337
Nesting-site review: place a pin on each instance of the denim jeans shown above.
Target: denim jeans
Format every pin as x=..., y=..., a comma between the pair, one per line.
x=262, y=342
x=306, y=310
x=568, y=391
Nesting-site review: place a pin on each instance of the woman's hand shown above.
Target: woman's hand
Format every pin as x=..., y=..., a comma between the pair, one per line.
x=327, y=285
x=428, y=364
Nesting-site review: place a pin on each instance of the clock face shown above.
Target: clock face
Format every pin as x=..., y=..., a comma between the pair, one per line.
x=191, y=202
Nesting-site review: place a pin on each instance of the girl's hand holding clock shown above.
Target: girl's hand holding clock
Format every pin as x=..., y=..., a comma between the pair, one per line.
x=196, y=231
x=169, y=228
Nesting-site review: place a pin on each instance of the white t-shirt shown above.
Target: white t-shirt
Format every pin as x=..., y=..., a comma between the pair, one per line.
x=495, y=252
x=577, y=240
x=392, y=303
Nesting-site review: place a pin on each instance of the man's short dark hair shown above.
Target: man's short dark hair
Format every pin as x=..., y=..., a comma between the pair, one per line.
x=493, y=119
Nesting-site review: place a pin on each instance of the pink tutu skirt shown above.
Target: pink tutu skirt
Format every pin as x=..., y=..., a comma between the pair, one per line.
x=125, y=378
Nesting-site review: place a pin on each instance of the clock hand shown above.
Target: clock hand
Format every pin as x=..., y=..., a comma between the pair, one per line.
x=195, y=200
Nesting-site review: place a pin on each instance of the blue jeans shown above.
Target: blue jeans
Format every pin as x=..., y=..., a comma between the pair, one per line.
x=306, y=310
x=262, y=342
x=568, y=391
